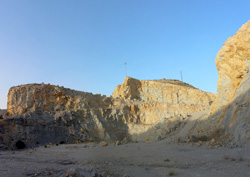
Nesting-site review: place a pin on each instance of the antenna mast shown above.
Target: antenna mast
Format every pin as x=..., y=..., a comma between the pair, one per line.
x=181, y=77
x=126, y=69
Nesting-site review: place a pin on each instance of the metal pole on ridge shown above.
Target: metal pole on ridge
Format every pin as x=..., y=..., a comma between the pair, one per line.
x=126, y=69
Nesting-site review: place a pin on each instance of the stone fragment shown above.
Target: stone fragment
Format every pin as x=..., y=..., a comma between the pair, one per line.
x=116, y=143
x=103, y=143
x=199, y=143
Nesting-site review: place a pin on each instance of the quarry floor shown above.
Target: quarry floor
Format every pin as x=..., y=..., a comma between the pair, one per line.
x=160, y=158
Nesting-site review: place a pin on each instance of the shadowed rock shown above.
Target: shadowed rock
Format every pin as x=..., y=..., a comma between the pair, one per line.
x=137, y=111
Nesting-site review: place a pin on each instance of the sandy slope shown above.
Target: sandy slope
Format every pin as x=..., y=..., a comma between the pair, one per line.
x=137, y=159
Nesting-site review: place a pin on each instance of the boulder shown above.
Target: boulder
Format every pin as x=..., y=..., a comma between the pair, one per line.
x=103, y=143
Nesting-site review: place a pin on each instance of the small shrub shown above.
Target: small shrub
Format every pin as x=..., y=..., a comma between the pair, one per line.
x=217, y=133
x=199, y=138
x=203, y=138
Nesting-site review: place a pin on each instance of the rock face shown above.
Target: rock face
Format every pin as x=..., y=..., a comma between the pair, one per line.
x=158, y=107
x=230, y=112
x=41, y=113
x=154, y=101
x=43, y=97
x=35, y=129
x=236, y=119
x=137, y=111
x=233, y=63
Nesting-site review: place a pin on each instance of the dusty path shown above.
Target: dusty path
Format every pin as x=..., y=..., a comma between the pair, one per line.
x=190, y=122
x=138, y=159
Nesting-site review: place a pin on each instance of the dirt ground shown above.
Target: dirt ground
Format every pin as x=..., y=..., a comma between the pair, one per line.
x=160, y=158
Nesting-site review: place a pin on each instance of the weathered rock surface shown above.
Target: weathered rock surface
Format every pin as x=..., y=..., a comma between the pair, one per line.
x=46, y=97
x=137, y=111
x=43, y=113
x=236, y=118
x=35, y=129
x=233, y=63
x=231, y=110
x=153, y=101
x=229, y=118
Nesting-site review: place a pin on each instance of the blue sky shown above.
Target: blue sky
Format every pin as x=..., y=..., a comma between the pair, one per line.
x=83, y=44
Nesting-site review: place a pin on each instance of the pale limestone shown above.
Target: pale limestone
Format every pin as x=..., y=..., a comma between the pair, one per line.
x=138, y=111
x=233, y=63
x=46, y=97
x=153, y=102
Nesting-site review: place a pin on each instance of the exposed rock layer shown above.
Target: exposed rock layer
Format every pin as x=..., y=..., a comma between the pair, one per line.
x=156, y=100
x=236, y=116
x=138, y=111
x=233, y=63
x=230, y=112
x=45, y=97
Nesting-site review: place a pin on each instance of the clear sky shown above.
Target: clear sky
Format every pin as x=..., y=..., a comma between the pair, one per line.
x=83, y=44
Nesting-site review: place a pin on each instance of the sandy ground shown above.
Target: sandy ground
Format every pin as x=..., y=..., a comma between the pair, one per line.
x=160, y=158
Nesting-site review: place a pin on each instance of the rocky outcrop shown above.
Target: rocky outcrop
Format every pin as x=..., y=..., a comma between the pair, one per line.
x=46, y=97
x=154, y=101
x=34, y=129
x=39, y=128
x=233, y=63
x=137, y=111
x=230, y=112
x=42, y=113
x=236, y=116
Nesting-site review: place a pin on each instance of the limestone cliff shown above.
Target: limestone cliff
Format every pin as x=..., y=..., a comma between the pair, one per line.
x=46, y=97
x=231, y=110
x=236, y=116
x=163, y=91
x=154, y=101
x=138, y=111
x=43, y=113
x=233, y=63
